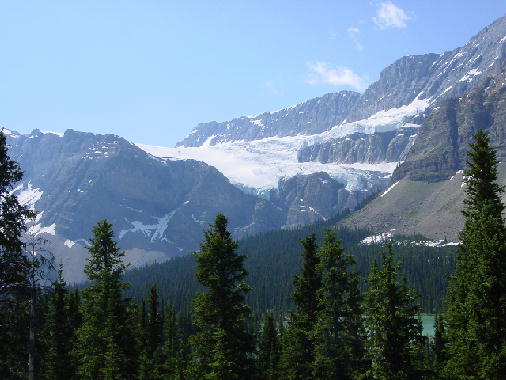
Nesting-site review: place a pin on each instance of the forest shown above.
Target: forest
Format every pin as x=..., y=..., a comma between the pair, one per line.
x=308, y=303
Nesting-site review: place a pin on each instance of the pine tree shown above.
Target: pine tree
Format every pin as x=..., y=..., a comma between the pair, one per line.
x=297, y=344
x=338, y=332
x=14, y=269
x=105, y=335
x=223, y=348
x=269, y=349
x=394, y=337
x=59, y=334
x=476, y=316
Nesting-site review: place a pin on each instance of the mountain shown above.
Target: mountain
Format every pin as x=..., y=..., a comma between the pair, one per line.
x=409, y=130
x=429, y=78
x=428, y=190
x=158, y=207
x=358, y=139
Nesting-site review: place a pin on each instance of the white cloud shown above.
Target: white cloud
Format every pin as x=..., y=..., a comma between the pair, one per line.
x=388, y=15
x=354, y=33
x=272, y=89
x=321, y=73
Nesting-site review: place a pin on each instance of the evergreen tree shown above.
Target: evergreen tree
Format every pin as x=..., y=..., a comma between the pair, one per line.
x=297, y=345
x=222, y=347
x=338, y=332
x=14, y=269
x=394, y=337
x=59, y=334
x=105, y=335
x=154, y=323
x=476, y=316
x=269, y=349
x=174, y=351
x=439, y=345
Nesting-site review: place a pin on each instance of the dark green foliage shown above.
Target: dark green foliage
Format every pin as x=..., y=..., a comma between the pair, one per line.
x=338, y=333
x=269, y=349
x=439, y=343
x=394, y=337
x=274, y=258
x=154, y=324
x=59, y=334
x=174, y=353
x=476, y=316
x=105, y=347
x=222, y=348
x=298, y=344
x=14, y=271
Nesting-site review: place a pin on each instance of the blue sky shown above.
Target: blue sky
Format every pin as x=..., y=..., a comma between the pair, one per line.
x=151, y=70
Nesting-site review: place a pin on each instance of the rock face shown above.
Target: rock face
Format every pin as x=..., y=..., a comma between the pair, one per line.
x=388, y=146
x=154, y=204
x=310, y=198
x=430, y=76
x=441, y=147
x=313, y=116
x=423, y=110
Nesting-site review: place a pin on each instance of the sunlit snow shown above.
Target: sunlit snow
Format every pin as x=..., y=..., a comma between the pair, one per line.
x=69, y=243
x=259, y=164
x=388, y=190
x=152, y=231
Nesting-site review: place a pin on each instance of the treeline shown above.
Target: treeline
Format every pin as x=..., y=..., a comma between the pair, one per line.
x=353, y=312
x=274, y=258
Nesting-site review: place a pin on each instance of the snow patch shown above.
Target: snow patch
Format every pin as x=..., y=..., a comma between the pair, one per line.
x=388, y=190
x=258, y=123
x=376, y=239
x=152, y=231
x=470, y=75
x=69, y=243
x=39, y=229
x=59, y=134
x=28, y=196
x=10, y=133
x=446, y=90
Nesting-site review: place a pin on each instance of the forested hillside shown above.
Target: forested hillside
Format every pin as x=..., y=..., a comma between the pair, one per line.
x=273, y=258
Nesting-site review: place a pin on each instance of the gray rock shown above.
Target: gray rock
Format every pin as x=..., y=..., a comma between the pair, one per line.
x=359, y=147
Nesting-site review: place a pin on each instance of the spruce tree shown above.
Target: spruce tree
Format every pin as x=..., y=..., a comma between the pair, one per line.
x=154, y=323
x=269, y=349
x=297, y=344
x=223, y=348
x=14, y=270
x=338, y=332
x=439, y=344
x=105, y=335
x=394, y=331
x=59, y=334
x=174, y=351
x=476, y=315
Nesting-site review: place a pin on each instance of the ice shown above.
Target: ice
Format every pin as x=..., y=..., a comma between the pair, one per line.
x=260, y=164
